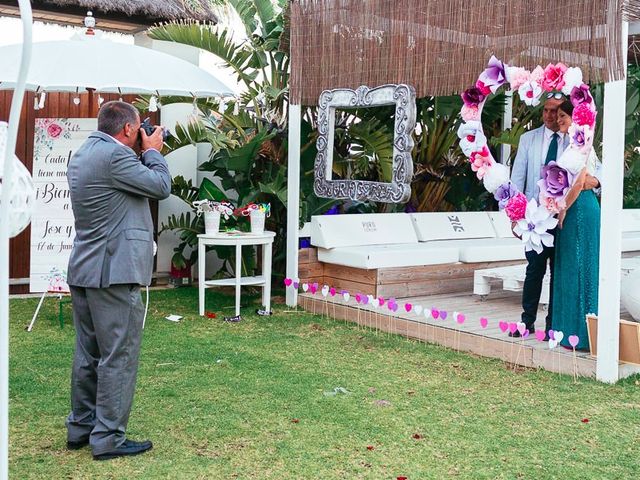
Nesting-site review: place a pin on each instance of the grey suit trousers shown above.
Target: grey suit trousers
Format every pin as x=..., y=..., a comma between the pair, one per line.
x=108, y=324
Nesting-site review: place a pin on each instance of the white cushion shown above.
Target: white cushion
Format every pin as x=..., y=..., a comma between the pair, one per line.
x=630, y=220
x=630, y=241
x=488, y=249
x=332, y=231
x=384, y=256
x=452, y=225
x=501, y=224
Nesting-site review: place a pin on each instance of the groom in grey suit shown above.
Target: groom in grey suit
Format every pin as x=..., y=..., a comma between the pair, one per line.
x=112, y=255
x=535, y=149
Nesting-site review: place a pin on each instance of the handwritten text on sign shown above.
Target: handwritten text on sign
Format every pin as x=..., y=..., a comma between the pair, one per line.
x=52, y=225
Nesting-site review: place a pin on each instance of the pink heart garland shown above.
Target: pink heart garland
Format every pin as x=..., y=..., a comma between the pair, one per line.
x=287, y=282
x=504, y=326
x=513, y=327
x=380, y=301
x=408, y=307
x=435, y=313
x=332, y=292
x=443, y=314
x=540, y=335
x=574, y=340
x=313, y=288
x=484, y=322
x=358, y=298
x=460, y=318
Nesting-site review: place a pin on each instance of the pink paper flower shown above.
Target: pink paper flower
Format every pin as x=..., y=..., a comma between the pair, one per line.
x=472, y=97
x=553, y=205
x=516, y=207
x=54, y=130
x=481, y=164
x=470, y=113
x=584, y=115
x=537, y=75
x=517, y=76
x=554, y=77
x=483, y=88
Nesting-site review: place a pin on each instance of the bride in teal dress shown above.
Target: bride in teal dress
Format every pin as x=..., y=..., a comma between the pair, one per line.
x=577, y=250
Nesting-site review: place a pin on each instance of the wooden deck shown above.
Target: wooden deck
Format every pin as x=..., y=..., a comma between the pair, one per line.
x=469, y=336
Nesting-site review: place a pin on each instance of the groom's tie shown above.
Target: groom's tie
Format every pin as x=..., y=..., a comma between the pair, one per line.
x=552, y=153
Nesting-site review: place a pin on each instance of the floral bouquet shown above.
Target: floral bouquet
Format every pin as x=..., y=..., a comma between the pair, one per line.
x=252, y=207
x=225, y=209
x=533, y=218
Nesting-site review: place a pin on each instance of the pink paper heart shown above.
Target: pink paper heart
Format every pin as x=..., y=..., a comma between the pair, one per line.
x=296, y=285
x=574, y=340
x=313, y=288
x=521, y=328
x=513, y=327
x=408, y=307
x=443, y=314
x=380, y=301
x=504, y=326
x=332, y=292
x=287, y=282
x=540, y=335
x=435, y=313
x=358, y=298
x=460, y=318
x=484, y=322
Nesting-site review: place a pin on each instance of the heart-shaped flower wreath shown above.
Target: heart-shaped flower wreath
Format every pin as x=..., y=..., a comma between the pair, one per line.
x=535, y=217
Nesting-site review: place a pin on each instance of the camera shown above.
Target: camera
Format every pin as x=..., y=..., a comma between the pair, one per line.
x=149, y=129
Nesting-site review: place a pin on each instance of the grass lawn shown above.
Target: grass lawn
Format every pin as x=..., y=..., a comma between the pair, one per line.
x=248, y=400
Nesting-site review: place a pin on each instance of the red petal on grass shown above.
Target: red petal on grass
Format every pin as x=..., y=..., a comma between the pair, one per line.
x=210, y=314
x=401, y=478
x=294, y=420
x=369, y=447
x=585, y=420
x=416, y=436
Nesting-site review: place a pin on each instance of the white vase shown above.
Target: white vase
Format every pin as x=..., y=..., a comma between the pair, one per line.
x=211, y=223
x=257, y=221
x=630, y=294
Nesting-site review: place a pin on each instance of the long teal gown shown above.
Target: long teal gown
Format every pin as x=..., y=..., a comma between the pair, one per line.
x=575, y=282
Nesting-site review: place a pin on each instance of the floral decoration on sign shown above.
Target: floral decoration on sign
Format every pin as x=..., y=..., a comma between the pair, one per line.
x=57, y=281
x=533, y=218
x=49, y=130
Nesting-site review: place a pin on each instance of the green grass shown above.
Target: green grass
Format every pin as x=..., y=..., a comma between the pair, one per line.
x=219, y=401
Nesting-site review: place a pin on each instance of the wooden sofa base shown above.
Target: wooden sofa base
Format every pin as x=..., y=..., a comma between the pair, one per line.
x=396, y=281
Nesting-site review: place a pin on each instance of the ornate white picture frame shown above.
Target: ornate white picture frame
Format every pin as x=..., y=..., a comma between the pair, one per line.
x=399, y=190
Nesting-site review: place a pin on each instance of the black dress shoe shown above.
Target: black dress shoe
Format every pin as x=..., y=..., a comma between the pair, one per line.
x=78, y=444
x=129, y=447
x=516, y=334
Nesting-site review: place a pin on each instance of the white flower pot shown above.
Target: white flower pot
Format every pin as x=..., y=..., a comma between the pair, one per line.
x=257, y=221
x=211, y=223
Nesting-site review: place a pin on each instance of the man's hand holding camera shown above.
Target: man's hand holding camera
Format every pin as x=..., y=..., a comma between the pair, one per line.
x=153, y=141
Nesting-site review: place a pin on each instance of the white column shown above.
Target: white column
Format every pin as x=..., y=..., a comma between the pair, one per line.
x=507, y=122
x=615, y=94
x=293, y=199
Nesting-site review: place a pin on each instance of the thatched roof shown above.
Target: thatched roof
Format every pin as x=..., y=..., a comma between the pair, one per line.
x=117, y=15
x=440, y=47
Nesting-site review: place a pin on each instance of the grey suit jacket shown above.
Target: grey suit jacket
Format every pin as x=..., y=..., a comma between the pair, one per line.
x=110, y=188
x=529, y=160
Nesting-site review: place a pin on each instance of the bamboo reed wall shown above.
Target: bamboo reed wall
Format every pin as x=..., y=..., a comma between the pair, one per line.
x=440, y=47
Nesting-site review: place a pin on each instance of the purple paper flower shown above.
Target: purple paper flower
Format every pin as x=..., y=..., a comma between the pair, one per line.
x=581, y=137
x=472, y=97
x=494, y=75
x=504, y=193
x=556, y=181
x=580, y=95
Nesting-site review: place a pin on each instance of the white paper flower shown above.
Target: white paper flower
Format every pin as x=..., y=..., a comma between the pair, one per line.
x=533, y=228
x=495, y=176
x=572, y=160
x=530, y=93
x=572, y=78
x=472, y=138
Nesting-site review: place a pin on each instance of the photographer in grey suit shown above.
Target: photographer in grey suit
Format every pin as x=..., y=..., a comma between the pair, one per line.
x=110, y=187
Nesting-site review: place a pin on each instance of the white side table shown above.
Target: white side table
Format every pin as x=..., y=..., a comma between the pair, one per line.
x=237, y=240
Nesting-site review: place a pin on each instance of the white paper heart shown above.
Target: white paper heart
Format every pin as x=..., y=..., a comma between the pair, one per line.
x=346, y=296
x=325, y=290
x=558, y=335
x=417, y=309
x=427, y=313
x=305, y=287
x=553, y=343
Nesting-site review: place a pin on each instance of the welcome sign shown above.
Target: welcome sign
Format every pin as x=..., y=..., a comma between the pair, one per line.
x=52, y=224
